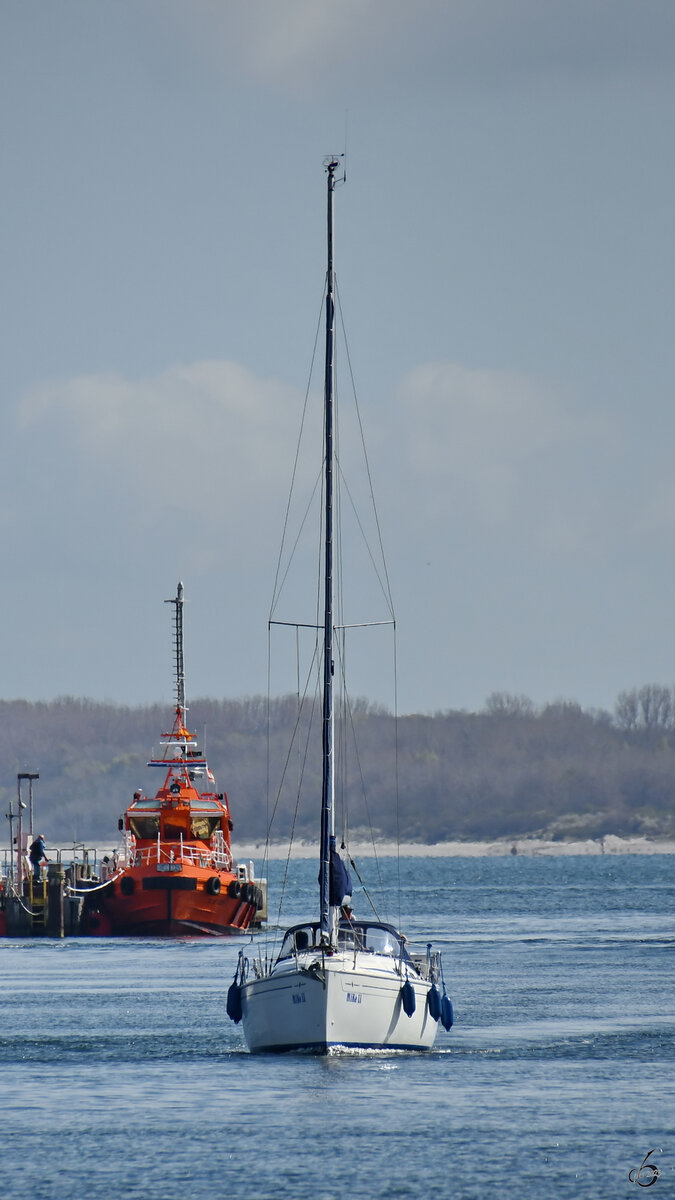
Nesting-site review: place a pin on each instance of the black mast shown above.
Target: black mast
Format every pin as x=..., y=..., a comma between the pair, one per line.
x=327, y=788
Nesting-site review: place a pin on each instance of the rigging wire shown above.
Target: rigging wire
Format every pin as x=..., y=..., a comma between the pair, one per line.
x=382, y=576
x=349, y=718
x=397, y=804
x=276, y=587
x=266, y=851
x=379, y=567
x=310, y=725
x=365, y=453
x=313, y=670
x=279, y=582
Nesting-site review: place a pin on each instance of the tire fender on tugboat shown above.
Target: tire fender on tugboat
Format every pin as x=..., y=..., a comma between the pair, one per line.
x=213, y=885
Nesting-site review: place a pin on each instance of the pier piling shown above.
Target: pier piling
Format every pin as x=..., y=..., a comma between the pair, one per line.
x=55, y=905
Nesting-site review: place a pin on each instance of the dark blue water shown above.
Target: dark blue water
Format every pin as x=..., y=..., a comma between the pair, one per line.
x=122, y=1077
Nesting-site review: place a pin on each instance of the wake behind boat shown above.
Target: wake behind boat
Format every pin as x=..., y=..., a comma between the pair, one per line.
x=176, y=874
x=337, y=980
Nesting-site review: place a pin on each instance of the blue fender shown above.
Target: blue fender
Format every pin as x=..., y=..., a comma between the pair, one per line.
x=408, y=998
x=233, y=1006
x=434, y=1002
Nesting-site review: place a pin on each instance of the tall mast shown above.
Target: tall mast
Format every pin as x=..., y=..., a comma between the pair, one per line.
x=179, y=649
x=328, y=786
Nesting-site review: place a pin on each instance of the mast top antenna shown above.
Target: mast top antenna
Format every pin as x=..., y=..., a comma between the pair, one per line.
x=331, y=164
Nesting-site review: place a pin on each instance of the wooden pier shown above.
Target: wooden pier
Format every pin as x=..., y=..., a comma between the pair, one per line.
x=58, y=905
x=47, y=908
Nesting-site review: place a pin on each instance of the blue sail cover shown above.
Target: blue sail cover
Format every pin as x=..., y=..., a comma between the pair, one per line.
x=340, y=881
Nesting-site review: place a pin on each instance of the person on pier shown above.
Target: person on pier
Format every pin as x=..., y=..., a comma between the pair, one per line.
x=36, y=855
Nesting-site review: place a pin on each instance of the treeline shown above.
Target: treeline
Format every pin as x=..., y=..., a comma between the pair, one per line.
x=511, y=770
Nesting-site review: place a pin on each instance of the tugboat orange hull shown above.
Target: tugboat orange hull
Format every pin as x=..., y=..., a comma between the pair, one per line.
x=150, y=904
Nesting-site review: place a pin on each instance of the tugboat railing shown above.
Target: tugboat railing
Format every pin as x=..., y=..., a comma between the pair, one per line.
x=175, y=852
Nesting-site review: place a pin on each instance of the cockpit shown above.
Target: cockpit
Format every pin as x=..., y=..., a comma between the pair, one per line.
x=371, y=937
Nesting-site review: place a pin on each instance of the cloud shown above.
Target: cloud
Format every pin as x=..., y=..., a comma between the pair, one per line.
x=307, y=45
x=115, y=487
x=302, y=42
x=203, y=442
x=503, y=451
x=207, y=450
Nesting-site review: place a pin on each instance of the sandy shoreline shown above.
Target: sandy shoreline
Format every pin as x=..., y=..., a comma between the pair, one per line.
x=525, y=846
x=528, y=847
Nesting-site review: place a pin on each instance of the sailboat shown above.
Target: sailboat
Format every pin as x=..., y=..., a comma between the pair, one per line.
x=337, y=981
x=175, y=874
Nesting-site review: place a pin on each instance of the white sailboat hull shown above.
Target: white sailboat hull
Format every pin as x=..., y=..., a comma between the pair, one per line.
x=349, y=1000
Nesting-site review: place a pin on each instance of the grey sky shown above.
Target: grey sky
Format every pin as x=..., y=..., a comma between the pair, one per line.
x=505, y=257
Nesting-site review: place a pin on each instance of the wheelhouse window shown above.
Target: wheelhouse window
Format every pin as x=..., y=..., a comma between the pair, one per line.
x=202, y=826
x=144, y=826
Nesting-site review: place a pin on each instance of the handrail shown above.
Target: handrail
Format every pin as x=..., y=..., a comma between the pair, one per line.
x=78, y=855
x=219, y=860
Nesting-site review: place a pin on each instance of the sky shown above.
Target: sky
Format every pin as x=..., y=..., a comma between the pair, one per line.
x=504, y=253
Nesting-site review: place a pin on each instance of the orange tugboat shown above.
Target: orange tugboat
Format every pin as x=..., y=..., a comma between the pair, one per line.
x=176, y=875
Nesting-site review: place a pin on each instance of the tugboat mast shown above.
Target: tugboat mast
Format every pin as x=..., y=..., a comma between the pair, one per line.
x=179, y=648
